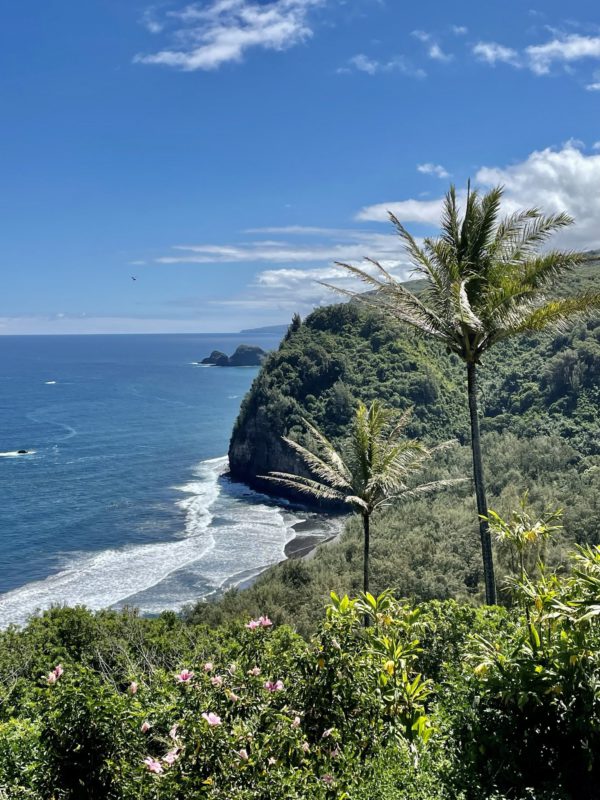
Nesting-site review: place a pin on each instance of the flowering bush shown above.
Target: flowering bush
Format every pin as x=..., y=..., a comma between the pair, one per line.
x=282, y=719
x=438, y=702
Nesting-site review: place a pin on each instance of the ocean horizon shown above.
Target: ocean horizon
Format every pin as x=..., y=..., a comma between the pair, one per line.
x=123, y=497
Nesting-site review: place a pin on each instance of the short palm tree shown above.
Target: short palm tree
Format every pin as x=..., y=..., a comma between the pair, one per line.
x=371, y=470
x=485, y=281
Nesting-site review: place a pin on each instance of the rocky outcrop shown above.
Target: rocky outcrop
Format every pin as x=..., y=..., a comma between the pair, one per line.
x=216, y=359
x=246, y=355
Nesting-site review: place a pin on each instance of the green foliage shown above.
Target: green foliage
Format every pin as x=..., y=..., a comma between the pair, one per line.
x=536, y=720
x=431, y=702
x=285, y=719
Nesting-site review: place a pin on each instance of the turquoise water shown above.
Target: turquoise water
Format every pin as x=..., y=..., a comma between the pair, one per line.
x=123, y=499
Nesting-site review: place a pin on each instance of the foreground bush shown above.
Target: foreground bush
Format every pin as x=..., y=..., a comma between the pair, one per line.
x=436, y=702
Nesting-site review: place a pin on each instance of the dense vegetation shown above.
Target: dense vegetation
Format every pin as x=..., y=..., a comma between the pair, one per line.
x=263, y=696
x=541, y=431
x=543, y=384
x=435, y=702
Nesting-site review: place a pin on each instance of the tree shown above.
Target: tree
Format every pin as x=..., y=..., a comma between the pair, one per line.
x=485, y=281
x=371, y=470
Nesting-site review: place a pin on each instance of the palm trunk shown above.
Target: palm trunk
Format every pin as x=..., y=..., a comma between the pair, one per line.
x=366, y=531
x=482, y=509
x=366, y=544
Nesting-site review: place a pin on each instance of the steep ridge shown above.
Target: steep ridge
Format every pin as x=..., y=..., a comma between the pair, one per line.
x=546, y=384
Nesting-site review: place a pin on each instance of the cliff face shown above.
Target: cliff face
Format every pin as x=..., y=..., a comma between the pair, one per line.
x=257, y=449
x=339, y=355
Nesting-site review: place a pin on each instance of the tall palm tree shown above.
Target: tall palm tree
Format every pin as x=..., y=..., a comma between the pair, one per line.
x=485, y=281
x=371, y=470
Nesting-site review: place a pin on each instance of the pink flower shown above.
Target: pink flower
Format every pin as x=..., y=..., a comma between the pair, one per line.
x=254, y=671
x=231, y=669
x=274, y=687
x=243, y=754
x=328, y=779
x=133, y=687
x=217, y=680
x=264, y=622
x=296, y=722
x=305, y=747
x=335, y=753
x=153, y=766
x=172, y=756
x=212, y=719
x=173, y=732
x=253, y=624
x=53, y=676
x=145, y=727
x=208, y=667
x=233, y=697
x=185, y=676
x=326, y=734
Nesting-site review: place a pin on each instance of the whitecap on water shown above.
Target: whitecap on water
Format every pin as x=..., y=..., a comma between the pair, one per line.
x=16, y=454
x=105, y=578
x=229, y=533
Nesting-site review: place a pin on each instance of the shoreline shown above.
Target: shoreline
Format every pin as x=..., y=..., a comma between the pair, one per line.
x=310, y=534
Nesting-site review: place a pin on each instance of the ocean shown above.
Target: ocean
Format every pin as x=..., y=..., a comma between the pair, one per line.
x=122, y=499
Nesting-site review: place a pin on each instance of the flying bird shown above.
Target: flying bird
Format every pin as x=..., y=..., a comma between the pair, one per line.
x=133, y=278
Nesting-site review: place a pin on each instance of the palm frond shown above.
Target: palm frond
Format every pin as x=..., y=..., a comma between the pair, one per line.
x=425, y=488
x=554, y=313
x=323, y=471
x=328, y=452
x=320, y=491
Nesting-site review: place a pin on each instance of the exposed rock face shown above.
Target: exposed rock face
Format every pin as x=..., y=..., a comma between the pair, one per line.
x=258, y=449
x=217, y=359
x=246, y=355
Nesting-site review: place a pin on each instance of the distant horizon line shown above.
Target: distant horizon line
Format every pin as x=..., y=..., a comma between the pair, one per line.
x=265, y=329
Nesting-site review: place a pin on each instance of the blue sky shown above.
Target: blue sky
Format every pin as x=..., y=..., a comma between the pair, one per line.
x=227, y=152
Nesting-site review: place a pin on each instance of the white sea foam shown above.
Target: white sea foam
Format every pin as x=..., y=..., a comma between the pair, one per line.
x=105, y=578
x=16, y=454
x=229, y=533
x=50, y=383
x=248, y=533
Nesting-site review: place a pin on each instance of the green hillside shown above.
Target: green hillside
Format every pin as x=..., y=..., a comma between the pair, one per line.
x=541, y=432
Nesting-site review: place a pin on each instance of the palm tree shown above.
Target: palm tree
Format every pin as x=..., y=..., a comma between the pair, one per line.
x=485, y=281
x=370, y=471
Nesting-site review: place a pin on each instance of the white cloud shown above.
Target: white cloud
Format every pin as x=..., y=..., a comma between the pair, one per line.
x=371, y=66
x=437, y=54
x=434, y=50
x=433, y=169
x=593, y=87
x=421, y=211
x=492, y=53
x=459, y=30
x=355, y=245
x=221, y=31
x=565, y=50
x=301, y=289
x=422, y=36
x=554, y=179
x=150, y=21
